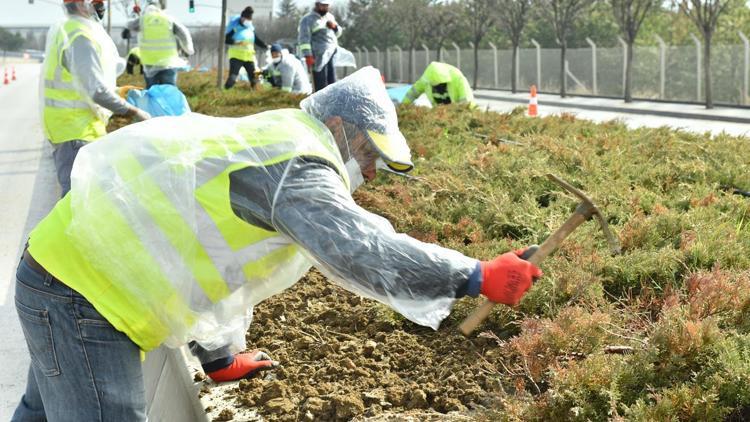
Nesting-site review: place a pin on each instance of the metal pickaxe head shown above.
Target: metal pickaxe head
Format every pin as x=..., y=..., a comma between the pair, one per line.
x=588, y=209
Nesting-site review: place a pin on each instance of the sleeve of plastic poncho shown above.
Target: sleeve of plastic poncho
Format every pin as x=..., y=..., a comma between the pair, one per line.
x=83, y=61
x=415, y=91
x=184, y=39
x=363, y=253
x=339, y=29
x=305, y=36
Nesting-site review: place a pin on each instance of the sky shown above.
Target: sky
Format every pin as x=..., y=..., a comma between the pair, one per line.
x=44, y=12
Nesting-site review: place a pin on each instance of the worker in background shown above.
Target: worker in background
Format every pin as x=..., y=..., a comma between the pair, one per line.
x=318, y=41
x=176, y=227
x=242, y=39
x=287, y=72
x=133, y=61
x=80, y=70
x=161, y=39
x=443, y=84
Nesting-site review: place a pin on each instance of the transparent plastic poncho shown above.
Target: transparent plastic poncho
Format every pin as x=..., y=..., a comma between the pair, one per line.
x=111, y=65
x=152, y=173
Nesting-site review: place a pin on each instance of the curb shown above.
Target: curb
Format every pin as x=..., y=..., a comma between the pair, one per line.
x=663, y=113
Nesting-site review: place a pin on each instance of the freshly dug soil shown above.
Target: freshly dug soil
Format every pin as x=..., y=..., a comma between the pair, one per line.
x=344, y=357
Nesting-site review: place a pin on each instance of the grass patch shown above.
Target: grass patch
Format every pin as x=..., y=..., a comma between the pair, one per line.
x=679, y=295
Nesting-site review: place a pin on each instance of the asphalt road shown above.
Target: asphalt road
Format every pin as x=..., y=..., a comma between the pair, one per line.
x=28, y=189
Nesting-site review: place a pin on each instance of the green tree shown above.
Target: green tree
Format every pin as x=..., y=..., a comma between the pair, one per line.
x=512, y=16
x=563, y=14
x=705, y=15
x=10, y=41
x=630, y=15
x=288, y=9
x=481, y=17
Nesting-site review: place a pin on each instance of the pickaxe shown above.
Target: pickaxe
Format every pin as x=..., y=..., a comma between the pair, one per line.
x=584, y=211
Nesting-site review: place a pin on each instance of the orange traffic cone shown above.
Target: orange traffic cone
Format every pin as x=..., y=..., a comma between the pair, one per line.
x=14, y=73
x=6, y=82
x=533, y=112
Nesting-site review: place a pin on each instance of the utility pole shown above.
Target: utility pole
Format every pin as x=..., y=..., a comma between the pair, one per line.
x=220, y=67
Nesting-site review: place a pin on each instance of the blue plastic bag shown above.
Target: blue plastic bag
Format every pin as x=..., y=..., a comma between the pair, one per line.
x=160, y=100
x=398, y=93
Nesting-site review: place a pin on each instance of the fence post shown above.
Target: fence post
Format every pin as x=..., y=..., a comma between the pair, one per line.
x=359, y=56
x=593, y=65
x=538, y=49
x=624, y=62
x=458, y=55
x=367, y=56
x=377, y=57
x=388, y=64
x=745, y=80
x=426, y=56
x=412, y=65
x=400, y=63
x=697, y=66
x=662, y=65
x=494, y=62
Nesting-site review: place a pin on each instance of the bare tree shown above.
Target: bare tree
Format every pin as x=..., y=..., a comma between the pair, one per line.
x=481, y=15
x=705, y=15
x=512, y=16
x=629, y=15
x=444, y=20
x=563, y=14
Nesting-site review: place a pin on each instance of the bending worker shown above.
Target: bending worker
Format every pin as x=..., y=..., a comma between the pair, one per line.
x=443, y=84
x=80, y=71
x=242, y=40
x=177, y=226
x=318, y=40
x=161, y=38
x=287, y=73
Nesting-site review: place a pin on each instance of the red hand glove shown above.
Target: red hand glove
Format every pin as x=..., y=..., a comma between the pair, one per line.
x=310, y=60
x=506, y=278
x=244, y=366
x=331, y=25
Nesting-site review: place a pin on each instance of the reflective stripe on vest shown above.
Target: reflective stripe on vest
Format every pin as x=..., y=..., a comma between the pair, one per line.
x=156, y=39
x=68, y=114
x=166, y=236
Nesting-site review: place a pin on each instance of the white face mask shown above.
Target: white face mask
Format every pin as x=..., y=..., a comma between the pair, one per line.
x=355, y=175
x=276, y=60
x=247, y=23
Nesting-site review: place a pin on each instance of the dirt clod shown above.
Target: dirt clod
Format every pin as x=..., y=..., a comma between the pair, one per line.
x=347, y=406
x=225, y=415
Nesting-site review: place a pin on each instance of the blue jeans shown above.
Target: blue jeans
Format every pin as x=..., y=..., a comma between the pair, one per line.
x=64, y=155
x=82, y=368
x=162, y=77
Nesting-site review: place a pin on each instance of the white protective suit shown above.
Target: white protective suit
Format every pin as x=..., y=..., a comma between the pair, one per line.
x=292, y=74
x=316, y=38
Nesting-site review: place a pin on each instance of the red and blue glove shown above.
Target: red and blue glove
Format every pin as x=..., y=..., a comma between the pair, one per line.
x=241, y=366
x=506, y=278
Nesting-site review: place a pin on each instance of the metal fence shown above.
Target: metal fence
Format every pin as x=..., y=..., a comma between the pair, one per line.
x=663, y=72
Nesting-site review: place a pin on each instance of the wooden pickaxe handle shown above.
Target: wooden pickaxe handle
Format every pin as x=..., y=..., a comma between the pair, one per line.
x=583, y=213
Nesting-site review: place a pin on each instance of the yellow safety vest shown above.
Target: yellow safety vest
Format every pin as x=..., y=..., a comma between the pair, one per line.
x=246, y=51
x=157, y=40
x=68, y=114
x=131, y=274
